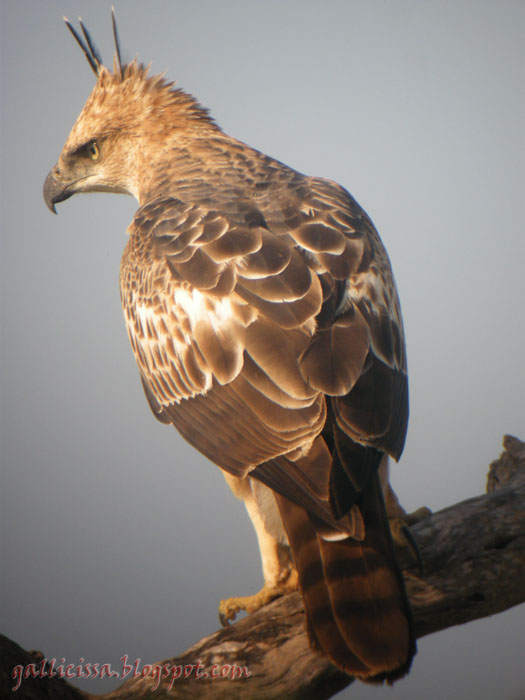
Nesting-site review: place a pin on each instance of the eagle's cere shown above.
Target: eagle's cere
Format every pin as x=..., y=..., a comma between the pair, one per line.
x=264, y=318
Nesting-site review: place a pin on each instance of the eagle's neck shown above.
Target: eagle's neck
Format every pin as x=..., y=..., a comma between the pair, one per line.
x=195, y=167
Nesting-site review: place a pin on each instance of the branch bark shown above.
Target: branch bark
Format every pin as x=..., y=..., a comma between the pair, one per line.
x=474, y=559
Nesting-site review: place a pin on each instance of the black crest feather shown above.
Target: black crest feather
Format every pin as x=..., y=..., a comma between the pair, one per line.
x=92, y=48
x=89, y=49
x=118, y=59
x=87, y=46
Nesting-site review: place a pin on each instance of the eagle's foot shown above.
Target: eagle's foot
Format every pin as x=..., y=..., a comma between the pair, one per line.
x=400, y=528
x=400, y=522
x=229, y=607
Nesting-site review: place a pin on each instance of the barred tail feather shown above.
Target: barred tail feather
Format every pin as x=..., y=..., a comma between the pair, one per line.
x=356, y=606
x=323, y=630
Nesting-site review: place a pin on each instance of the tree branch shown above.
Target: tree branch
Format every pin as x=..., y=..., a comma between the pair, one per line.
x=473, y=554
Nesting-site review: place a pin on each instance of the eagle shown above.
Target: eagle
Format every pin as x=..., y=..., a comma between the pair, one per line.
x=263, y=314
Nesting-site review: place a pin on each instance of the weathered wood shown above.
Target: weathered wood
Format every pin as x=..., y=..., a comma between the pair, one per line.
x=11, y=656
x=474, y=559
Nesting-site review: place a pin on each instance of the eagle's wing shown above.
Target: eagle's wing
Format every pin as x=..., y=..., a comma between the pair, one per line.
x=268, y=331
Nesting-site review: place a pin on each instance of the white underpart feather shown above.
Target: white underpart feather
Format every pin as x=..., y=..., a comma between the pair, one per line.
x=196, y=306
x=190, y=307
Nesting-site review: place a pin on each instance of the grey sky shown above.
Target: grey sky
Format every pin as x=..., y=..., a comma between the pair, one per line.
x=117, y=537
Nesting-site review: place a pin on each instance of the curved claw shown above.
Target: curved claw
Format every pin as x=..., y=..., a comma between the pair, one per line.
x=229, y=608
x=225, y=622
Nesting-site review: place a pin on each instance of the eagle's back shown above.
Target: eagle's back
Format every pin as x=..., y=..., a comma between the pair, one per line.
x=266, y=325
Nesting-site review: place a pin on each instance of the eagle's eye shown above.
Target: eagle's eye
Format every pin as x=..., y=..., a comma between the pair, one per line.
x=93, y=150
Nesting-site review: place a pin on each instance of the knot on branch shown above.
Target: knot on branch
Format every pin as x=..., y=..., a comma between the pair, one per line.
x=509, y=464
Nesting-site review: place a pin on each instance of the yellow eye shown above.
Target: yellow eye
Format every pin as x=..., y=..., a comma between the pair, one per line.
x=93, y=150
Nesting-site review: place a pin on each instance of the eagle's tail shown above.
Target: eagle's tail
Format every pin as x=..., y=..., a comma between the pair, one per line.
x=356, y=605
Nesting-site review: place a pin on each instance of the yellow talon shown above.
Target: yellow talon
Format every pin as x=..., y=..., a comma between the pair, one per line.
x=229, y=607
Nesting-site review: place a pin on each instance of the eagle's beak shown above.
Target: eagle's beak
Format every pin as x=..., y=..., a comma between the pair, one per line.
x=55, y=191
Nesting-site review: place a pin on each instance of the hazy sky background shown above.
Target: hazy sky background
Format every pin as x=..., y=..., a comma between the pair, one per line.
x=118, y=538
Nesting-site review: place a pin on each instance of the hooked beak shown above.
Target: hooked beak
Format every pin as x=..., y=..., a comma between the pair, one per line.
x=55, y=191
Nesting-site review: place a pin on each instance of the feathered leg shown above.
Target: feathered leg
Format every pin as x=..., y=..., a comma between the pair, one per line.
x=280, y=576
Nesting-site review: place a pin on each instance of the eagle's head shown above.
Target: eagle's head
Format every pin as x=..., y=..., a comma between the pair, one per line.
x=130, y=121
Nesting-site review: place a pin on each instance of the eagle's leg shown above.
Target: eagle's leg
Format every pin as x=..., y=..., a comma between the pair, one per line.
x=279, y=573
x=398, y=518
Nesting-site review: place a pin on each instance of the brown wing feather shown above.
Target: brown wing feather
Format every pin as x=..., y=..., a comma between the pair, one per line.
x=268, y=331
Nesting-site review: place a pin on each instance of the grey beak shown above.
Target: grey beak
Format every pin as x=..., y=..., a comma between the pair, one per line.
x=54, y=191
